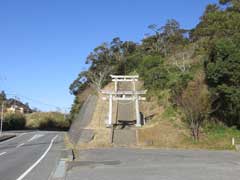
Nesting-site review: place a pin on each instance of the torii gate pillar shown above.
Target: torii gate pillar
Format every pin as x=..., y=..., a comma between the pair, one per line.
x=138, y=118
x=115, y=86
x=110, y=110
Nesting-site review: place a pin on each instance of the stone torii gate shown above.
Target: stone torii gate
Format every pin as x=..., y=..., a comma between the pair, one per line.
x=124, y=96
x=120, y=78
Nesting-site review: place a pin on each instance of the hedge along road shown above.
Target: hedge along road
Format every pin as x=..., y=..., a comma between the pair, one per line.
x=31, y=155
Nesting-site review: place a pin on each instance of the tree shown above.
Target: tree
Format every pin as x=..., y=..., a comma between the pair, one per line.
x=217, y=22
x=172, y=28
x=151, y=45
x=223, y=77
x=97, y=79
x=182, y=57
x=154, y=43
x=100, y=57
x=3, y=96
x=165, y=38
x=153, y=72
x=116, y=48
x=129, y=47
x=79, y=84
x=195, y=104
x=232, y=5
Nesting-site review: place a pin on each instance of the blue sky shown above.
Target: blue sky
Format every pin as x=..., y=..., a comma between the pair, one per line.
x=44, y=43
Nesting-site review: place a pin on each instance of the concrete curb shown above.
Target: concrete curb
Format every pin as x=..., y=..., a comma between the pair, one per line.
x=61, y=169
x=6, y=137
x=60, y=172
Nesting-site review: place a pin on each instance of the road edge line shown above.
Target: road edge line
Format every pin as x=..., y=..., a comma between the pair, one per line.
x=38, y=161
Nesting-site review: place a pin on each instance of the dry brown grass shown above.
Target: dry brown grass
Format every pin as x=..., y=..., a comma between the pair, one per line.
x=163, y=133
x=173, y=133
x=67, y=142
x=83, y=95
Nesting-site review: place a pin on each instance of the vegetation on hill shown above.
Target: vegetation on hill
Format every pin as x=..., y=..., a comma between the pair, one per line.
x=14, y=121
x=47, y=121
x=30, y=119
x=198, y=70
x=36, y=120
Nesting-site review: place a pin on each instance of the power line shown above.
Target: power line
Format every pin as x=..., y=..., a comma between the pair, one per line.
x=4, y=78
x=37, y=101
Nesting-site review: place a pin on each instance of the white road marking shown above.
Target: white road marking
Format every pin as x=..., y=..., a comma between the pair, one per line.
x=19, y=145
x=13, y=138
x=36, y=136
x=2, y=153
x=38, y=161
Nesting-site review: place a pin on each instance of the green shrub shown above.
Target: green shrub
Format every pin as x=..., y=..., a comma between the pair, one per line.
x=147, y=63
x=47, y=121
x=177, y=83
x=169, y=112
x=156, y=78
x=153, y=72
x=14, y=121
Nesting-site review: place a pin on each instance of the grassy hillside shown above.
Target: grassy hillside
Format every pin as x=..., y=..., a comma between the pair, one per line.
x=168, y=129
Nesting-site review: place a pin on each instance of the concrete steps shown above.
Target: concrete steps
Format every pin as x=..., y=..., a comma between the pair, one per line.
x=124, y=137
x=124, y=133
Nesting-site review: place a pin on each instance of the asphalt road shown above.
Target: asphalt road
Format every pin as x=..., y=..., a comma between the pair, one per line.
x=30, y=155
x=155, y=164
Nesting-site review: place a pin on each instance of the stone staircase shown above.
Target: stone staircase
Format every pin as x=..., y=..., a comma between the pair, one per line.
x=124, y=137
x=124, y=132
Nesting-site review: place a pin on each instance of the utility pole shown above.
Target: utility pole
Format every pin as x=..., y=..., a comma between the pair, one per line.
x=2, y=118
x=65, y=112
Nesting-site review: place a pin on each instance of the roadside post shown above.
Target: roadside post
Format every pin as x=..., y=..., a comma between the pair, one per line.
x=1, y=118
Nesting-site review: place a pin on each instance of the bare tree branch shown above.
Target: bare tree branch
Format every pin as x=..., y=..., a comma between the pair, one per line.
x=97, y=78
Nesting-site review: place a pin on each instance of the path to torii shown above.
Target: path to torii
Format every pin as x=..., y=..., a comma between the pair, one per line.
x=116, y=95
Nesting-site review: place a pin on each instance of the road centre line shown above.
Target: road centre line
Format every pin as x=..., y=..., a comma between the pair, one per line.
x=19, y=145
x=38, y=161
x=2, y=153
x=36, y=136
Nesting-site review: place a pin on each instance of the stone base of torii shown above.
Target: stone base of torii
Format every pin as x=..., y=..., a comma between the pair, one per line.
x=116, y=95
